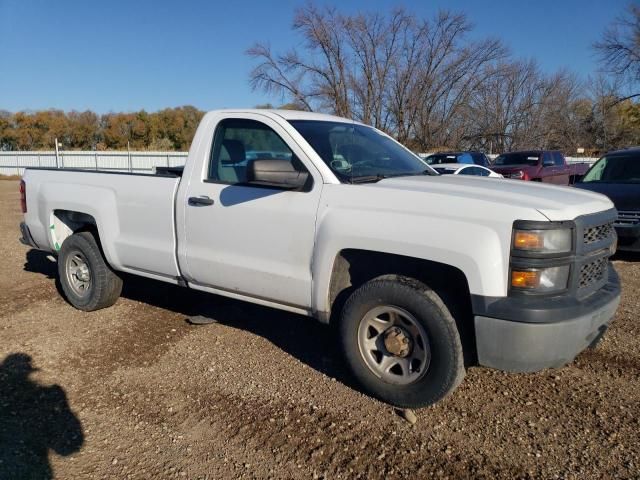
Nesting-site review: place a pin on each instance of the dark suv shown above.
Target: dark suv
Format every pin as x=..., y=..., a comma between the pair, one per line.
x=617, y=175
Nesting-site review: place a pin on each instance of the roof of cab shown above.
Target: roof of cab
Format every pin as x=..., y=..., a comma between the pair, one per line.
x=292, y=114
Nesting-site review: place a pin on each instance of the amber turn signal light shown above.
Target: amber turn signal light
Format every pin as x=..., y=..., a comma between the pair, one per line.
x=525, y=279
x=525, y=240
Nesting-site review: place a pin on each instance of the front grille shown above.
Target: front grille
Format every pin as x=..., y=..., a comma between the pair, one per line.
x=628, y=218
x=597, y=233
x=593, y=272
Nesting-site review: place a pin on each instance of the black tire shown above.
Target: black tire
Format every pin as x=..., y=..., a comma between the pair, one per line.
x=104, y=286
x=446, y=367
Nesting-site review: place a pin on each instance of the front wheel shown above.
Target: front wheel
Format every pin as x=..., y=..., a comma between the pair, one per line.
x=401, y=342
x=87, y=280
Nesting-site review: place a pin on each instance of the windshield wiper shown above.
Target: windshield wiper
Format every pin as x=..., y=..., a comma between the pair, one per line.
x=367, y=178
x=381, y=176
x=413, y=174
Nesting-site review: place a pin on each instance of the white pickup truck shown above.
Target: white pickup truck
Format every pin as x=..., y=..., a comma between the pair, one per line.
x=423, y=274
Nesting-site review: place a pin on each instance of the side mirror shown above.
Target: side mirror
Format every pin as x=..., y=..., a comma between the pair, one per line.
x=548, y=163
x=275, y=173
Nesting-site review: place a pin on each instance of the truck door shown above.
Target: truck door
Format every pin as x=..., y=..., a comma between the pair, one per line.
x=250, y=239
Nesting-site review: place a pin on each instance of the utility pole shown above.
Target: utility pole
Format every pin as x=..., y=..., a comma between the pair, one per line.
x=57, y=154
x=129, y=156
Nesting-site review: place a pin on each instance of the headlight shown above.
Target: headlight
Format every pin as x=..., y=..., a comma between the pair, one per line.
x=543, y=241
x=518, y=174
x=542, y=280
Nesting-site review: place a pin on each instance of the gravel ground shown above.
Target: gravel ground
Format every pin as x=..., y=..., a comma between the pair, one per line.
x=134, y=391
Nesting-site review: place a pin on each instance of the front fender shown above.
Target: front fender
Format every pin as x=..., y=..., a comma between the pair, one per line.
x=479, y=249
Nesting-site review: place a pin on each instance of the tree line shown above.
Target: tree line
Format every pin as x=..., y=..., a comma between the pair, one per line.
x=427, y=81
x=167, y=130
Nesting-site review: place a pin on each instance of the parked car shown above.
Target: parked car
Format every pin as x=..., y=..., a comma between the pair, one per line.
x=617, y=175
x=463, y=169
x=470, y=158
x=547, y=166
x=501, y=274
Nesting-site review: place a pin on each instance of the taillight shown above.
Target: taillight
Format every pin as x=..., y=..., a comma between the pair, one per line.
x=23, y=196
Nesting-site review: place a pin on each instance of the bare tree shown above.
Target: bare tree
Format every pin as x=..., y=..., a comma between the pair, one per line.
x=402, y=75
x=427, y=83
x=504, y=110
x=619, y=48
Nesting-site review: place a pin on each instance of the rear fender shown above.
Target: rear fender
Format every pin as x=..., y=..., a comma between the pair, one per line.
x=53, y=198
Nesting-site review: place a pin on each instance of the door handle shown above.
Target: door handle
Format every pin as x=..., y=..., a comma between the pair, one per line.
x=201, y=201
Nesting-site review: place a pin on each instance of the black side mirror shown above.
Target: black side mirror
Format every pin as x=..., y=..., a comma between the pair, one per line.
x=275, y=173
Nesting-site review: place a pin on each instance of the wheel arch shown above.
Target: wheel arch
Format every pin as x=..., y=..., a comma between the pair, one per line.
x=65, y=223
x=354, y=267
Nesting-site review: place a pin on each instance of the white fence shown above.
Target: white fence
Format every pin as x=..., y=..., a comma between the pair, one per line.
x=14, y=163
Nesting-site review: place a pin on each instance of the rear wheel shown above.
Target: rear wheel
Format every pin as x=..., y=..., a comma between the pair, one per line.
x=401, y=342
x=87, y=281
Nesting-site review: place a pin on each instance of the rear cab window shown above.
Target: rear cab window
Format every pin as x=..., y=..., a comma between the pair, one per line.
x=518, y=158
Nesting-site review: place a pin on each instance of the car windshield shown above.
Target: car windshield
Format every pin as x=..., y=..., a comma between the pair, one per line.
x=444, y=170
x=615, y=169
x=357, y=153
x=517, y=158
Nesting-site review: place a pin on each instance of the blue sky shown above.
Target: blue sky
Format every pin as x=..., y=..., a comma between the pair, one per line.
x=118, y=55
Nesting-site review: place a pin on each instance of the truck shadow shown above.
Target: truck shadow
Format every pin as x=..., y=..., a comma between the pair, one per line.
x=307, y=340
x=34, y=420
x=302, y=337
x=38, y=261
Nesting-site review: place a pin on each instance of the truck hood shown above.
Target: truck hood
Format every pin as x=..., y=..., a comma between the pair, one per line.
x=552, y=201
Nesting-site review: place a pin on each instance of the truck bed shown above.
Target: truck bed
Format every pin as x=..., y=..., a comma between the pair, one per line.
x=134, y=214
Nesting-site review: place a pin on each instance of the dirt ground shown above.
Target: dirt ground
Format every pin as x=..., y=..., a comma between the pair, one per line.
x=134, y=391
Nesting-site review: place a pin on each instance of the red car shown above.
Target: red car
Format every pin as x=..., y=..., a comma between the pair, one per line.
x=548, y=166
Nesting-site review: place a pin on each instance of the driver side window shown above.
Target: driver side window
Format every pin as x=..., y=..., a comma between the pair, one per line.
x=238, y=142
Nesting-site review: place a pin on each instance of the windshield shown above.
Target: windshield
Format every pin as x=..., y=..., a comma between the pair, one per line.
x=615, y=169
x=517, y=158
x=359, y=153
x=444, y=170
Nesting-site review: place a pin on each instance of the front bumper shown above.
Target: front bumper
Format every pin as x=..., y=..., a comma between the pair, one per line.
x=518, y=346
